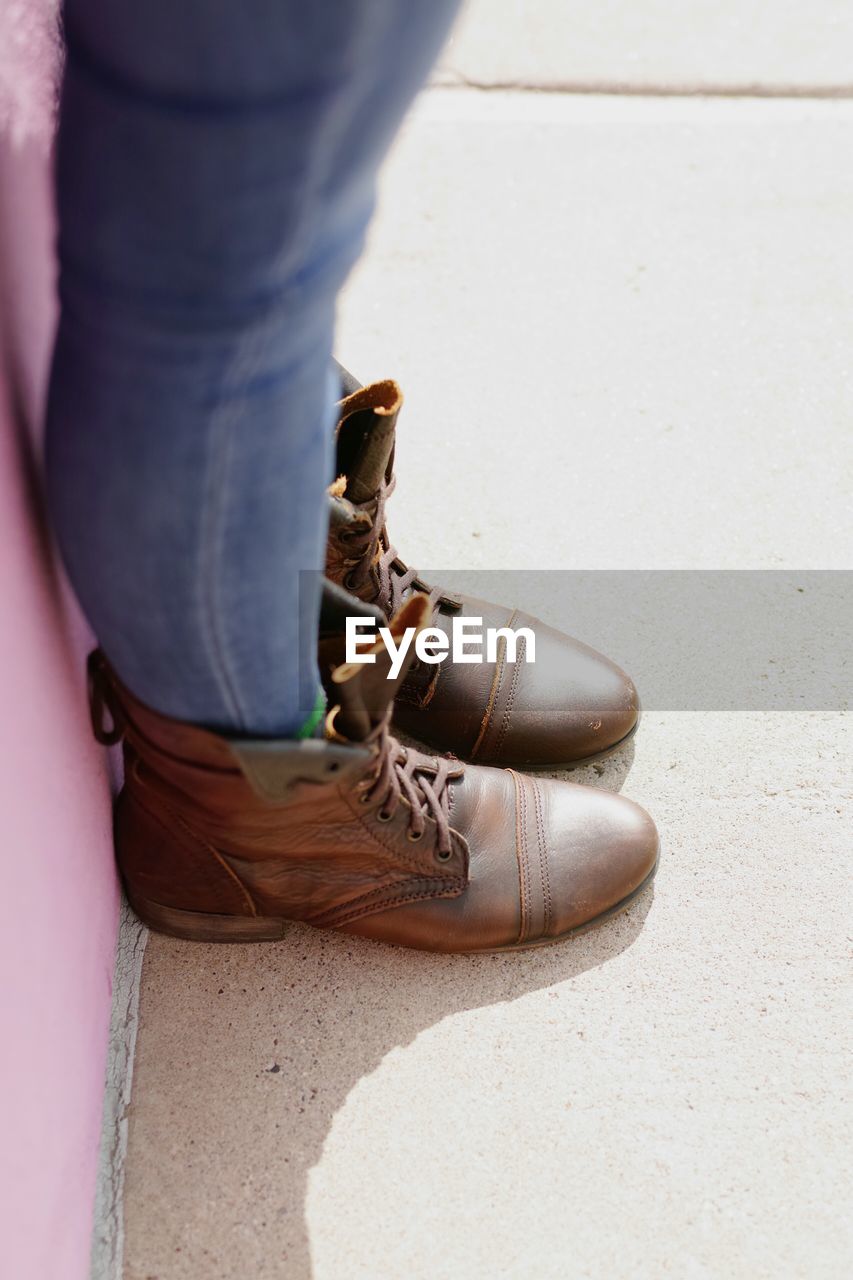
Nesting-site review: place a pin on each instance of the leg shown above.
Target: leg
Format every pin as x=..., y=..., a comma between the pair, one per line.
x=216, y=171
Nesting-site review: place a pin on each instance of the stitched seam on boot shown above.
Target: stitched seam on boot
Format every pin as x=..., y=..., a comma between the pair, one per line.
x=385, y=891
x=374, y=908
x=198, y=840
x=543, y=859
x=493, y=692
x=384, y=897
x=521, y=856
x=513, y=688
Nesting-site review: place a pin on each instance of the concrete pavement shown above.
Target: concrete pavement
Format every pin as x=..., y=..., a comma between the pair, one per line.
x=717, y=46
x=657, y=295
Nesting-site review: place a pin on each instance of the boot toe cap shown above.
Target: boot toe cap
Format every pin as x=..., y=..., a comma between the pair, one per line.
x=602, y=849
x=568, y=706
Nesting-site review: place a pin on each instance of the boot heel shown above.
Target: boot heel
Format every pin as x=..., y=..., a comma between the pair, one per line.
x=200, y=926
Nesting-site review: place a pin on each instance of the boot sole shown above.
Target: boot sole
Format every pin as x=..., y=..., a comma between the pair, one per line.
x=197, y=926
x=201, y=926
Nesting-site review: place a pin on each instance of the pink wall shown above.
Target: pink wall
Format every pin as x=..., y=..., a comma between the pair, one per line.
x=59, y=895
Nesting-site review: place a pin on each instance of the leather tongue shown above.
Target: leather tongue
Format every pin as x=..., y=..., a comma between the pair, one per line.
x=365, y=691
x=365, y=438
x=336, y=606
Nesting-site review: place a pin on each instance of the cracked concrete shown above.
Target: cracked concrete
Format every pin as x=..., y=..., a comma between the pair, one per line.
x=108, y=1235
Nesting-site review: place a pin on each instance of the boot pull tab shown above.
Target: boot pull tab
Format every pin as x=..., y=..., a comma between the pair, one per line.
x=101, y=700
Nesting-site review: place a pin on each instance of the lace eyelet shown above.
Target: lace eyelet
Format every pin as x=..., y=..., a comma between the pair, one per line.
x=349, y=584
x=364, y=798
x=382, y=816
x=410, y=835
x=443, y=855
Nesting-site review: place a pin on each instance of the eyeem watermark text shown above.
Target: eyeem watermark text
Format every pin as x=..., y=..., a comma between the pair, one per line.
x=467, y=642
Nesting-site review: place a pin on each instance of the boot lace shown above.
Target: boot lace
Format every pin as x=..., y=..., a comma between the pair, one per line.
x=422, y=781
x=372, y=554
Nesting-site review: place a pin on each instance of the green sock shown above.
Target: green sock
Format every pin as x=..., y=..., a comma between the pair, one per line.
x=309, y=728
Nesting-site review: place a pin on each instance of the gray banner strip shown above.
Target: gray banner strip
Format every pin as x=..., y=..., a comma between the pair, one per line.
x=698, y=640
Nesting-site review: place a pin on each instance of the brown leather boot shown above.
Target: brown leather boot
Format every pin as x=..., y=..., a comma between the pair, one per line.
x=569, y=707
x=225, y=840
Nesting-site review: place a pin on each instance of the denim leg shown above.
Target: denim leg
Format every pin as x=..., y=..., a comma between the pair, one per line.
x=216, y=167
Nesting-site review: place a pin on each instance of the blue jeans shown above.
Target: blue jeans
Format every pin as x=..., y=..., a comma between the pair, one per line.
x=216, y=166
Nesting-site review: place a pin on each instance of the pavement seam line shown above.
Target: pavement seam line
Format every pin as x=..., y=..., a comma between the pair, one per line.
x=616, y=88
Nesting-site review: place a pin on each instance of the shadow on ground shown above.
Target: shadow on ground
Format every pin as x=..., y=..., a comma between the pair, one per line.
x=248, y=1053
